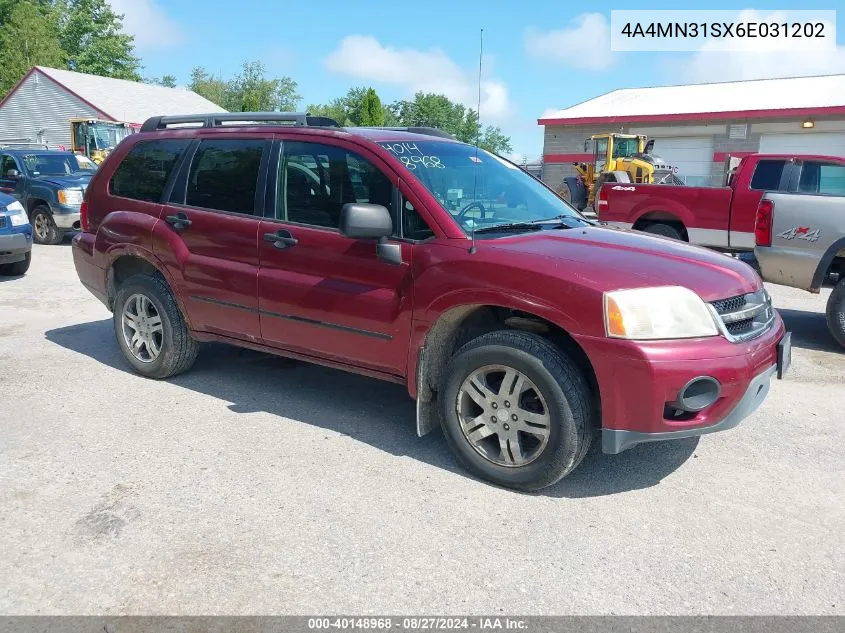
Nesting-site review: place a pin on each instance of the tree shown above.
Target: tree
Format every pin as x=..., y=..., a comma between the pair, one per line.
x=27, y=38
x=168, y=81
x=93, y=39
x=206, y=85
x=494, y=140
x=372, y=112
x=251, y=92
x=434, y=110
x=359, y=107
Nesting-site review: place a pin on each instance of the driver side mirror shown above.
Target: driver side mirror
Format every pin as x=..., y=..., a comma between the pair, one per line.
x=361, y=220
x=14, y=174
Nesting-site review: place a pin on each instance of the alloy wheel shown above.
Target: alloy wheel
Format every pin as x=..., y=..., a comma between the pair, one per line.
x=503, y=415
x=42, y=227
x=142, y=328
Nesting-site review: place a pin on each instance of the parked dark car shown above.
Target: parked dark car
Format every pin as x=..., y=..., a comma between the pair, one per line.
x=49, y=184
x=520, y=327
x=15, y=237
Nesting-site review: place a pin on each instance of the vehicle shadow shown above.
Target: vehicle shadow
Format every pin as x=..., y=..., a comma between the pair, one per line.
x=374, y=412
x=809, y=330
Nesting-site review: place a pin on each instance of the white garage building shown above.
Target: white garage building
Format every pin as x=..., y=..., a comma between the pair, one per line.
x=697, y=127
x=40, y=106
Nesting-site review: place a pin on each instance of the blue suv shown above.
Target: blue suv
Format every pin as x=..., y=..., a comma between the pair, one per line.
x=49, y=184
x=15, y=237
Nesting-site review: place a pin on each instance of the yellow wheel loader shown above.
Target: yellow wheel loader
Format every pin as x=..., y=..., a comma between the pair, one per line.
x=95, y=138
x=624, y=158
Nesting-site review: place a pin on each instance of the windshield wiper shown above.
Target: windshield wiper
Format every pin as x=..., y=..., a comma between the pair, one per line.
x=513, y=226
x=562, y=219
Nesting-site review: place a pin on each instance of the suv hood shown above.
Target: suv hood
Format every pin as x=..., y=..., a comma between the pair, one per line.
x=66, y=182
x=614, y=259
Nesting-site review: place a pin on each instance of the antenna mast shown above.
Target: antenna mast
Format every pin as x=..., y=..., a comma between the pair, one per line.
x=477, y=138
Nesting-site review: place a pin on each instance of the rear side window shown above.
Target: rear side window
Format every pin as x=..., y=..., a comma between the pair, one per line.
x=767, y=175
x=824, y=178
x=144, y=171
x=224, y=175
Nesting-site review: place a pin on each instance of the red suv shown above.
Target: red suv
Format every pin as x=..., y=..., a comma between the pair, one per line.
x=517, y=325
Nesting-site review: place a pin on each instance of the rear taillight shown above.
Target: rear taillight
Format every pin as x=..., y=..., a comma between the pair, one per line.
x=763, y=223
x=83, y=217
x=602, y=203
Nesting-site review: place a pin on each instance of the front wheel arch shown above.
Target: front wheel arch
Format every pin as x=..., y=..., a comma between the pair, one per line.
x=461, y=324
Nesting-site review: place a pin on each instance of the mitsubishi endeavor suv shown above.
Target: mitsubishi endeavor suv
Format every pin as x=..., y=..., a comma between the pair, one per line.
x=518, y=326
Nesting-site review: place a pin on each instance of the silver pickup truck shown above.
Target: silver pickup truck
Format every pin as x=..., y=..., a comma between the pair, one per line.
x=800, y=233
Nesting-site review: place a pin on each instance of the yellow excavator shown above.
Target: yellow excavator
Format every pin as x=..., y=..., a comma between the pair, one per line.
x=624, y=158
x=95, y=138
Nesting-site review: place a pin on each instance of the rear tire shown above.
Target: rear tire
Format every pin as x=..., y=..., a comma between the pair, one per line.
x=150, y=328
x=547, y=406
x=836, y=313
x=666, y=230
x=16, y=268
x=44, y=229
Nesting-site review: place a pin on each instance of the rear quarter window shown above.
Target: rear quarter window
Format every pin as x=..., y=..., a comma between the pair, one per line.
x=767, y=175
x=144, y=171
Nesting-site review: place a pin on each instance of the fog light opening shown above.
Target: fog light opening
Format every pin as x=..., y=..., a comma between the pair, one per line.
x=698, y=394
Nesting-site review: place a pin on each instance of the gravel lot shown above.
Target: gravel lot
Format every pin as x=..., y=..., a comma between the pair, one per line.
x=254, y=484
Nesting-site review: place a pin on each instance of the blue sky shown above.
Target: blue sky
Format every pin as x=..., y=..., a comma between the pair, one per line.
x=539, y=55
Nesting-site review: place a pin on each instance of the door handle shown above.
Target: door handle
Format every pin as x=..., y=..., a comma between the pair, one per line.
x=179, y=221
x=281, y=239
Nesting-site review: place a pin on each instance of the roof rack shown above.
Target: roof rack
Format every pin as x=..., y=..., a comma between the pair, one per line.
x=220, y=119
x=15, y=144
x=427, y=131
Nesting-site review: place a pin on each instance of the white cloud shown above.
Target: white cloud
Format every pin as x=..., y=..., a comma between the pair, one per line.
x=148, y=23
x=364, y=57
x=754, y=58
x=583, y=44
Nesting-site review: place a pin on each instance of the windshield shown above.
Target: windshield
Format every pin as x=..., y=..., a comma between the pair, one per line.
x=479, y=189
x=624, y=147
x=52, y=164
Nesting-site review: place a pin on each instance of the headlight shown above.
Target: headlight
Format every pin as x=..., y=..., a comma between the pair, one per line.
x=70, y=197
x=657, y=313
x=17, y=214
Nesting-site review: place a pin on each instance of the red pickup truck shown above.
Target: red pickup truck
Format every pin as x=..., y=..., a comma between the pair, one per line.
x=718, y=217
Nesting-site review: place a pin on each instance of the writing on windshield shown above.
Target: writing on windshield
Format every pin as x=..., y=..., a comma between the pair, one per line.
x=478, y=188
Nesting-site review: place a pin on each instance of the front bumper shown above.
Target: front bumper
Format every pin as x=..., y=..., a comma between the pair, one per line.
x=615, y=441
x=66, y=218
x=14, y=247
x=639, y=382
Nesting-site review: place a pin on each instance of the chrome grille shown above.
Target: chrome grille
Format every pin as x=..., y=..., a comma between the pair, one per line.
x=745, y=317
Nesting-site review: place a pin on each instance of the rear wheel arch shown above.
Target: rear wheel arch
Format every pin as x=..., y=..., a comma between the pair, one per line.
x=126, y=265
x=461, y=324
x=833, y=260
x=662, y=217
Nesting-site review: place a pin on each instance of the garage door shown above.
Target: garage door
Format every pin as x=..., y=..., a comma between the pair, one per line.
x=831, y=143
x=692, y=155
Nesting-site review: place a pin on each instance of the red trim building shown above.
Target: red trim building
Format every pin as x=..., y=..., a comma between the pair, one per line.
x=697, y=127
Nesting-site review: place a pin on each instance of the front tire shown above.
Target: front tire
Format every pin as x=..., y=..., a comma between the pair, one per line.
x=150, y=328
x=44, y=229
x=516, y=410
x=16, y=268
x=836, y=313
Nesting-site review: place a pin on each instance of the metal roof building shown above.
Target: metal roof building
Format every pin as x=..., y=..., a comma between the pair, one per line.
x=38, y=109
x=696, y=127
